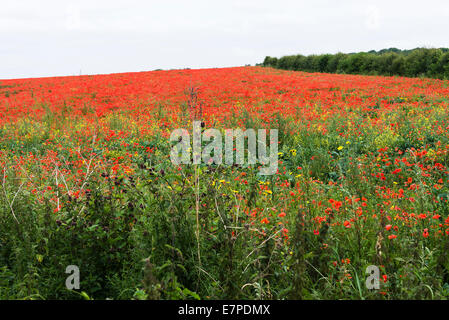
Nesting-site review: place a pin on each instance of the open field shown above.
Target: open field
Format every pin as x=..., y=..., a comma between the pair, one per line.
x=86, y=180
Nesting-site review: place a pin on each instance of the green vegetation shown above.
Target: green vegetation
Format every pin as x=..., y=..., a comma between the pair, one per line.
x=217, y=232
x=419, y=62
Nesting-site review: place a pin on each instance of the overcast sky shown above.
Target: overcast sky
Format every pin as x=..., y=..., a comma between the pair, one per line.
x=49, y=38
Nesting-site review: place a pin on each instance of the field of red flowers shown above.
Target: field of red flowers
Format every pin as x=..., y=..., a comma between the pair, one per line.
x=86, y=180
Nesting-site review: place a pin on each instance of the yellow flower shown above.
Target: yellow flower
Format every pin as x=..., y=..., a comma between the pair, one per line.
x=340, y=148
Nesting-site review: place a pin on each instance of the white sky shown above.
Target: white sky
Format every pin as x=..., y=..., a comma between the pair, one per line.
x=49, y=38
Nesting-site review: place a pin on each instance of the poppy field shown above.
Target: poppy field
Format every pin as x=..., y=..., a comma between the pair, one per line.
x=87, y=181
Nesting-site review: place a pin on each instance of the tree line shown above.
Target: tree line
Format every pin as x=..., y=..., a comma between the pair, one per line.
x=419, y=62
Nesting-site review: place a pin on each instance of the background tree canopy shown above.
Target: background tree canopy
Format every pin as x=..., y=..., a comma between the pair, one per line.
x=419, y=62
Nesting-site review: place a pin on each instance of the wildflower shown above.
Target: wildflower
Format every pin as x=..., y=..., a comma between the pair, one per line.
x=336, y=204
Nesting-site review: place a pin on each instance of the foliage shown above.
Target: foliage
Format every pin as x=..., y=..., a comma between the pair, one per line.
x=419, y=62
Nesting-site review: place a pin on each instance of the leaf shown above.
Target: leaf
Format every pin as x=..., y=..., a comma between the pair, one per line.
x=85, y=295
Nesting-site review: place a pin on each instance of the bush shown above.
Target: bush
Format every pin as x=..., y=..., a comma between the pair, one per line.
x=419, y=62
